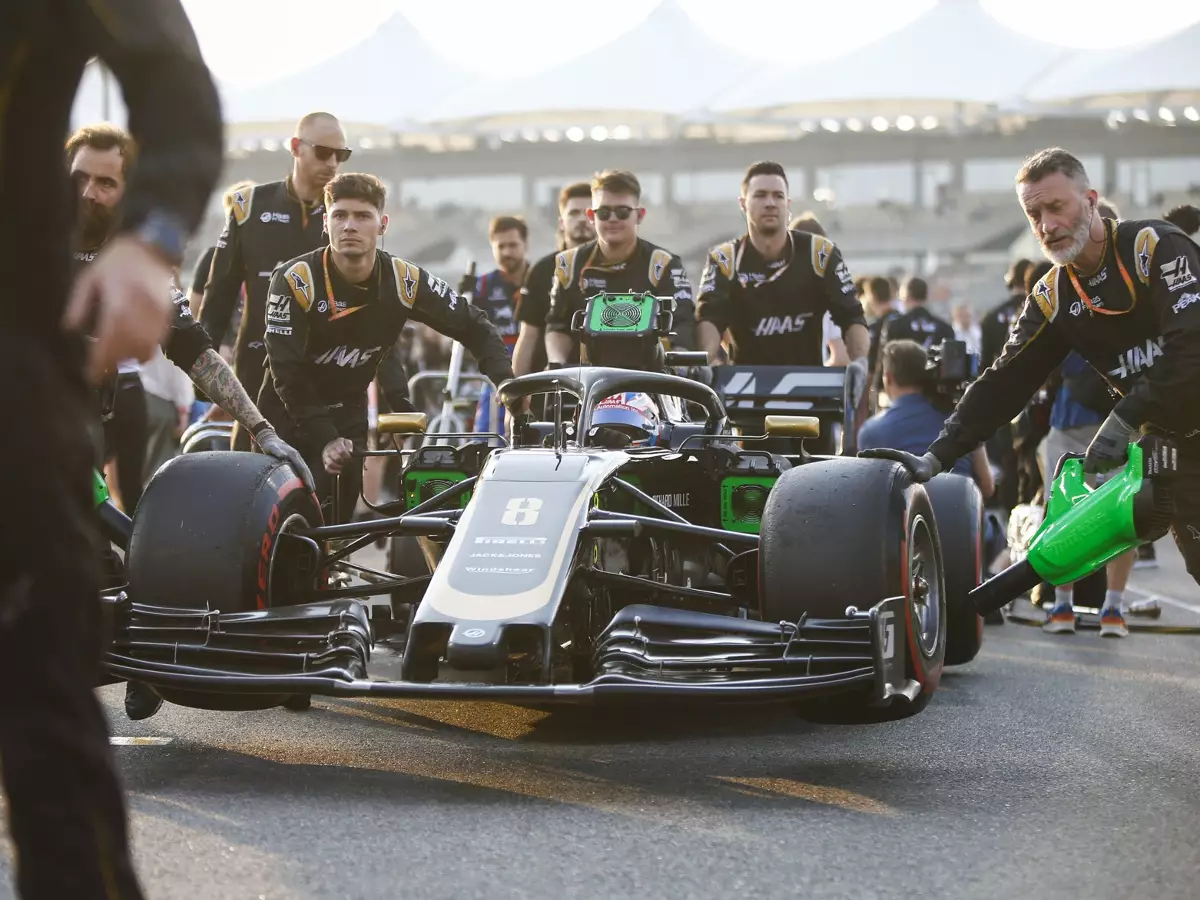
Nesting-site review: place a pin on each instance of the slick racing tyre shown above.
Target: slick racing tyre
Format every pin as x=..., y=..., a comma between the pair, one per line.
x=958, y=507
x=852, y=532
x=206, y=536
x=204, y=436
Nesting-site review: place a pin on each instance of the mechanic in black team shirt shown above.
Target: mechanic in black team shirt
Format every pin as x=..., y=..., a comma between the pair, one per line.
x=334, y=313
x=916, y=323
x=616, y=261
x=998, y=321
x=1125, y=296
x=268, y=224
x=772, y=287
x=65, y=808
x=577, y=229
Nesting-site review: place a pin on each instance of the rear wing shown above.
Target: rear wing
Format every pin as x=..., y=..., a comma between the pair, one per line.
x=750, y=391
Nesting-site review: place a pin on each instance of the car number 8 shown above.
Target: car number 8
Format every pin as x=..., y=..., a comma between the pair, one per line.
x=521, y=511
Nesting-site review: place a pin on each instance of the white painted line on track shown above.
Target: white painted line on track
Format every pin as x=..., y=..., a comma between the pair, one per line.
x=139, y=741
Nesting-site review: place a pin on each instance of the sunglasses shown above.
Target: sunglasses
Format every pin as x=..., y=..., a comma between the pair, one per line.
x=604, y=213
x=323, y=153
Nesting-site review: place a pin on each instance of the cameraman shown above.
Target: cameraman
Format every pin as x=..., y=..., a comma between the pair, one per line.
x=912, y=422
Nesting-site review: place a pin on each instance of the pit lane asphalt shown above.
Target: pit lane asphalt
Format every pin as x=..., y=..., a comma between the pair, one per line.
x=1050, y=767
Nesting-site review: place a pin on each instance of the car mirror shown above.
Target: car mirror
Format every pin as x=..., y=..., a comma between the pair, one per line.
x=793, y=426
x=401, y=423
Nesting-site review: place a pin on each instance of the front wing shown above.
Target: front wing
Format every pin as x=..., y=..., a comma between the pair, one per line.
x=645, y=652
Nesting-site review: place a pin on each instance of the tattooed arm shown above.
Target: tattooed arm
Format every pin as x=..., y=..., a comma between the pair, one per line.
x=215, y=377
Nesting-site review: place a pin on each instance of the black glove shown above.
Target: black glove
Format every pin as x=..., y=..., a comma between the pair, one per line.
x=1110, y=447
x=273, y=445
x=922, y=468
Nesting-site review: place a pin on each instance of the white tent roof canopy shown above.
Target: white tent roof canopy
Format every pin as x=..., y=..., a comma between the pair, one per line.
x=405, y=78
x=664, y=65
x=955, y=53
x=1167, y=66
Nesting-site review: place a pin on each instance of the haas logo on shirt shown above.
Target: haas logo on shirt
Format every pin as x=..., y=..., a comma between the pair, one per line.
x=347, y=357
x=770, y=325
x=1137, y=358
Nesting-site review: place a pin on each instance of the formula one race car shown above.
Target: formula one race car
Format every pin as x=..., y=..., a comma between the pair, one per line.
x=628, y=547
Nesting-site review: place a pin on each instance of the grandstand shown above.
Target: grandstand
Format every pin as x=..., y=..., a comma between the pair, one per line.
x=905, y=151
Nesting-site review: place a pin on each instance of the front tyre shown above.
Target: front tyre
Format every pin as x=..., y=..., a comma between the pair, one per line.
x=852, y=532
x=208, y=535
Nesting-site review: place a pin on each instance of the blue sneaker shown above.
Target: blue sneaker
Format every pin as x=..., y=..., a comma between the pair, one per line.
x=1112, y=623
x=1060, y=620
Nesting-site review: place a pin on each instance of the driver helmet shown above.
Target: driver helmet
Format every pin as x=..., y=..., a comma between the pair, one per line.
x=633, y=414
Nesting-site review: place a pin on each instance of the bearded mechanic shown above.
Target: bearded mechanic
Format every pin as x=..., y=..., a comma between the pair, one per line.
x=772, y=287
x=1125, y=296
x=100, y=158
x=331, y=316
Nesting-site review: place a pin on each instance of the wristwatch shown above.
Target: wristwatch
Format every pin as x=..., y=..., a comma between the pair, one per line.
x=165, y=233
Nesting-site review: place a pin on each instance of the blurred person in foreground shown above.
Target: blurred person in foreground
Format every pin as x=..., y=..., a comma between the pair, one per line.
x=333, y=314
x=576, y=229
x=616, y=261
x=65, y=807
x=269, y=223
x=1137, y=322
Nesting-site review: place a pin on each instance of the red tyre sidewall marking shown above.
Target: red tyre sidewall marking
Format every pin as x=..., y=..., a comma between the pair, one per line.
x=271, y=536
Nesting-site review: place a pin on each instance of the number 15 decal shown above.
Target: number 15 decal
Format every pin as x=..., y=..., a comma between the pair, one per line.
x=521, y=511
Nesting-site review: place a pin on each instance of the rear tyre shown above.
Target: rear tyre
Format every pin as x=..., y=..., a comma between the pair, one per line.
x=958, y=507
x=852, y=532
x=206, y=535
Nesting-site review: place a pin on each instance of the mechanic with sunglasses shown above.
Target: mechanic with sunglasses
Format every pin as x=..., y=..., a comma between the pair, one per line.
x=1125, y=296
x=616, y=261
x=267, y=225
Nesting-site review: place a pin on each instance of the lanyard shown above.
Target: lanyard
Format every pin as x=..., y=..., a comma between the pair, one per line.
x=333, y=307
x=328, y=281
x=1124, y=276
x=737, y=263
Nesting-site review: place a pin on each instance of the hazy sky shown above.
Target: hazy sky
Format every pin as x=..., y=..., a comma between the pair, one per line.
x=527, y=35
